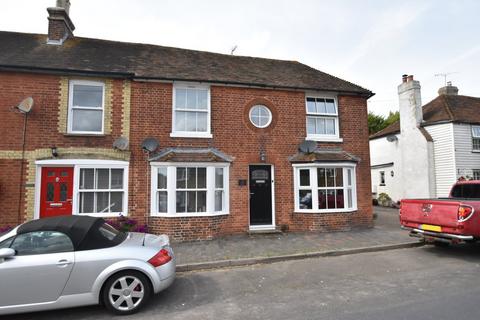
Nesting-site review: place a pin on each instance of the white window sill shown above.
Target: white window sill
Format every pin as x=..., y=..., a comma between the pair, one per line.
x=476, y=151
x=186, y=215
x=324, y=139
x=102, y=215
x=327, y=211
x=191, y=135
x=98, y=134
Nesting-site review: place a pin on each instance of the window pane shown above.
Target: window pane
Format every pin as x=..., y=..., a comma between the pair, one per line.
x=218, y=178
x=350, y=198
x=202, y=201
x=191, y=98
x=191, y=121
x=102, y=202
x=322, y=199
x=63, y=191
x=191, y=201
x=202, y=99
x=87, y=96
x=321, y=177
x=476, y=143
x=330, y=199
x=116, y=201
x=162, y=178
x=191, y=178
x=180, y=98
x=87, y=178
x=86, y=202
x=476, y=131
x=311, y=105
x=181, y=178
x=181, y=201
x=103, y=178
x=180, y=121
x=305, y=199
x=50, y=191
x=201, y=178
x=305, y=177
x=321, y=108
x=340, y=199
x=320, y=126
x=202, y=121
x=311, y=125
x=87, y=120
x=117, y=178
x=339, y=177
x=330, y=177
x=349, y=177
x=330, y=103
x=330, y=126
x=162, y=201
x=219, y=200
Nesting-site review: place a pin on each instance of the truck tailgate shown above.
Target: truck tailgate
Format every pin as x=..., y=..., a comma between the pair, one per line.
x=431, y=212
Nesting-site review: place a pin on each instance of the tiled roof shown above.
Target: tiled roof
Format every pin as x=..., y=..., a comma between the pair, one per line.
x=190, y=155
x=444, y=108
x=30, y=52
x=324, y=155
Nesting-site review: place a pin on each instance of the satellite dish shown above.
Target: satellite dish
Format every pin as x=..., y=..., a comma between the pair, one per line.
x=150, y=144
x=308, y=146
x=392, y=138
x=26, y=105
x=121, y=144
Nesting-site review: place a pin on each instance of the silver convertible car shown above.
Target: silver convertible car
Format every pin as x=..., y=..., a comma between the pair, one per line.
x=74, y=261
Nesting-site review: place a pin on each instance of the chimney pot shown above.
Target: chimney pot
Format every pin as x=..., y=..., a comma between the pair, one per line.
x=404, y=78
x=410, y=78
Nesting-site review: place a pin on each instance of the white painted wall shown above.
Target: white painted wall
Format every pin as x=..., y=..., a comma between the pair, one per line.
x=465, y=159
x=444, y=157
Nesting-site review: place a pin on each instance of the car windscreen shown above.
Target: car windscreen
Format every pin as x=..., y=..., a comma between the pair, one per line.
x=466, y=191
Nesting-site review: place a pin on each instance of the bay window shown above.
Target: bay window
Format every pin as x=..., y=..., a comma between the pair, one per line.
x=189, y=189
x=325, y=188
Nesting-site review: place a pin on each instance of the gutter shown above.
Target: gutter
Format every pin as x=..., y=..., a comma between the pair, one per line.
x=55, y=71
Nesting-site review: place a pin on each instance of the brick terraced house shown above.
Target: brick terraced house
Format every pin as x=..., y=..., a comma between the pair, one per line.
x=228, y=130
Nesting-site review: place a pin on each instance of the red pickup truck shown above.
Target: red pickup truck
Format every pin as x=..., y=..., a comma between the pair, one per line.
x=445, y=220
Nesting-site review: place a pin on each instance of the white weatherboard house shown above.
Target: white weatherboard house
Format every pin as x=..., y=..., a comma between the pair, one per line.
x=430, y=148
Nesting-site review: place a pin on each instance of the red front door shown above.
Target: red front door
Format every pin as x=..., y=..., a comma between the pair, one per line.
x=56, y=192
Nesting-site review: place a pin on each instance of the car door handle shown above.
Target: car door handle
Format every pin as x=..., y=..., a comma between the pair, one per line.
x=63, y=263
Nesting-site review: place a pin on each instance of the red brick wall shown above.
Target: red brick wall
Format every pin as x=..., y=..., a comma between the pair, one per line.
x=151, y=110
x=233, y=135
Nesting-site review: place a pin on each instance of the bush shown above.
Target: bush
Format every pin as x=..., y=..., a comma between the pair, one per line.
x=125, y=224
x=5, y=229
x=384, y=200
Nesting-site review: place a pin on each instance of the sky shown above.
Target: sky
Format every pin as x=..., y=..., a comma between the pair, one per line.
x=370, y=43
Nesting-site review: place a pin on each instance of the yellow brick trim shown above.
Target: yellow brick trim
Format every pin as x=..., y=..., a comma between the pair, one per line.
x=108, y=106
x=10, y=154
x=63, y=105
x=126, y=98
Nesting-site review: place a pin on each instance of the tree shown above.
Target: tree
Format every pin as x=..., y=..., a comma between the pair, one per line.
x=378, y=122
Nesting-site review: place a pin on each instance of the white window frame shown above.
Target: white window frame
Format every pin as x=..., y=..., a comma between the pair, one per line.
x=191, y=134
x=71, y=107
x=270, y=116
x=172, y=189
x=474, y=136
x=314, y=187
x=77, y=164
x=323, y=137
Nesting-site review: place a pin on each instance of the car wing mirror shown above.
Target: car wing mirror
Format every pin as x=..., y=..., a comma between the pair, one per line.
x=6, y=253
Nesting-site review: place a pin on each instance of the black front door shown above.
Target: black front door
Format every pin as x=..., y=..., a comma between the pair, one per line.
x=260, y=195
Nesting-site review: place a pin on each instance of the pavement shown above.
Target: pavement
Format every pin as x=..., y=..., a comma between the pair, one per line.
x=240, y=250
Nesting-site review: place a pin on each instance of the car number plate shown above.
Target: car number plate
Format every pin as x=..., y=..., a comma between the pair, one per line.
x=430, y=227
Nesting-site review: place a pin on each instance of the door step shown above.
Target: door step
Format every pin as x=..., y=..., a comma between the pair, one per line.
x=265, y=231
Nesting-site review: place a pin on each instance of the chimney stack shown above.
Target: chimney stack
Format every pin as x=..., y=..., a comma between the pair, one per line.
x=448, y=90
x=410, y=102
x=60, y=27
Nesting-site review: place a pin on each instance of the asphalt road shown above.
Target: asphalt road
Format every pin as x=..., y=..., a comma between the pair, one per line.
x=419, y=283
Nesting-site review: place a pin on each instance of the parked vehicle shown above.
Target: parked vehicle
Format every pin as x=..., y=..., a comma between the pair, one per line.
x=72, y=261
x=445, y=220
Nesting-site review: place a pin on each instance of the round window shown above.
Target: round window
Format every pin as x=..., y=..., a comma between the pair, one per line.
x=260, y=116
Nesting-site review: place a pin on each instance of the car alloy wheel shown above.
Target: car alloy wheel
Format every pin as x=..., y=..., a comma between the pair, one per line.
x=125, y=292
